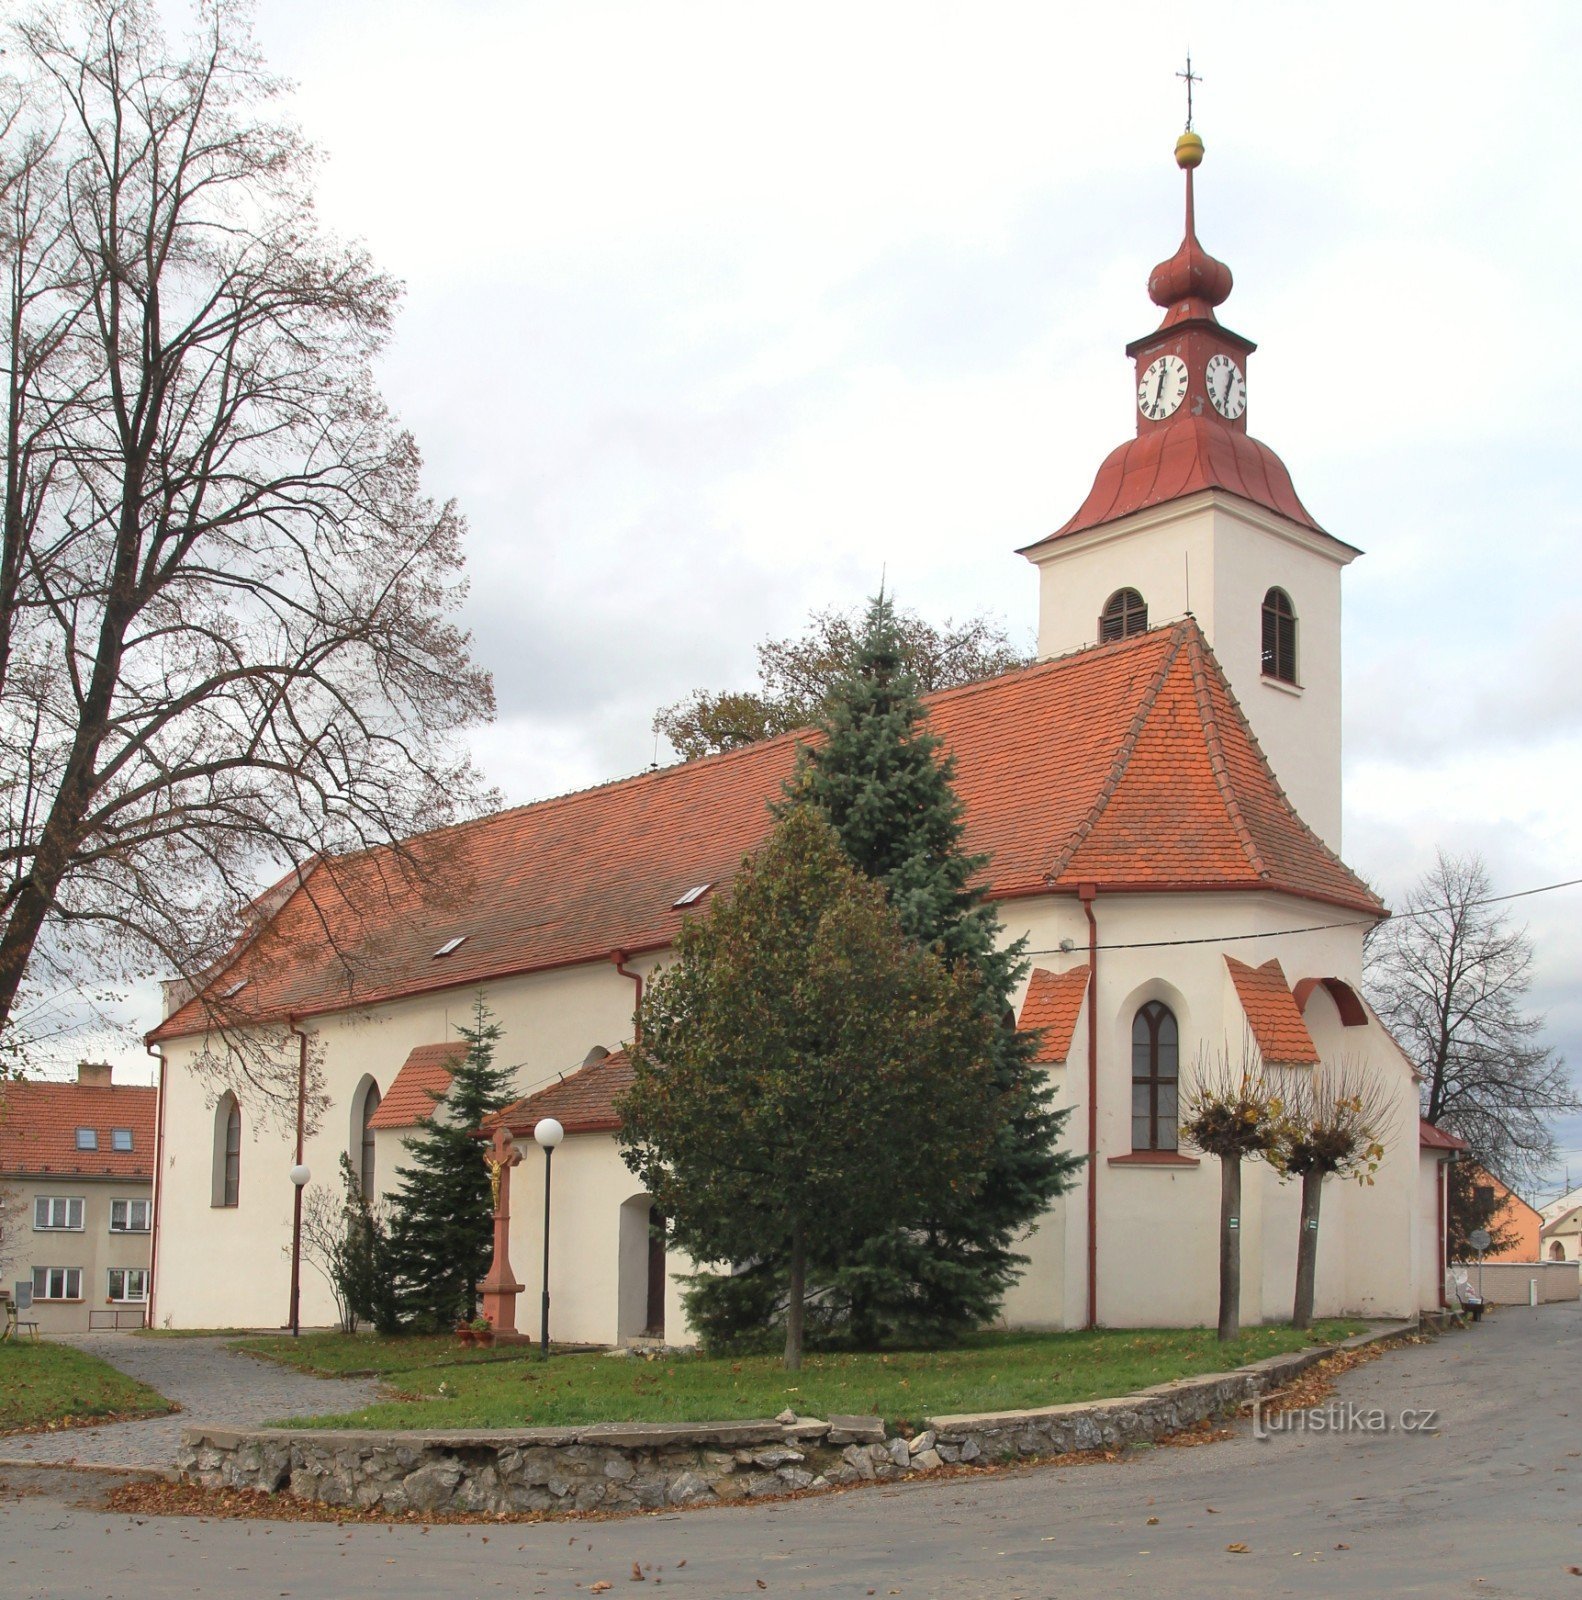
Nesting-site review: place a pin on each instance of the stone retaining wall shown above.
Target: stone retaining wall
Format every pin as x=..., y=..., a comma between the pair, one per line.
x=635, y=1466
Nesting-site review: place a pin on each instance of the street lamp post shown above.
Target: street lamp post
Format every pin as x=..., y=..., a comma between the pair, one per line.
x=299, y=1181
x=548, y=1134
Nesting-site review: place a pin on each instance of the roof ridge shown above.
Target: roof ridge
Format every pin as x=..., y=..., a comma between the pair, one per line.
x=1123, y=754
x=1216, y=754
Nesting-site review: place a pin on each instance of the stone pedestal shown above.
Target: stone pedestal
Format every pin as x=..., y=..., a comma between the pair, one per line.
x=500, y=1287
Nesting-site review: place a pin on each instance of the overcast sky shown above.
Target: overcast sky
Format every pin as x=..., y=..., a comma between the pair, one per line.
x=716, y=312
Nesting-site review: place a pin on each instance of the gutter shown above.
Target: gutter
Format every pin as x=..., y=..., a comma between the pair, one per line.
x=1088, y=893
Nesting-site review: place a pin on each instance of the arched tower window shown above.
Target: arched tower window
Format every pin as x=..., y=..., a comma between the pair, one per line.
x=365, y=1163
x=1124, y=613
x=227, y=1151
x=1279, y=636
x=1156, y=1049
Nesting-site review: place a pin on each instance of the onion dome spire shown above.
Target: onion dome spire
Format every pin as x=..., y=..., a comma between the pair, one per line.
x=1191, y=283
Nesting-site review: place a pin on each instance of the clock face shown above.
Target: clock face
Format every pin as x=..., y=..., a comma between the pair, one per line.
x=1163, y=388
x=1227, y=389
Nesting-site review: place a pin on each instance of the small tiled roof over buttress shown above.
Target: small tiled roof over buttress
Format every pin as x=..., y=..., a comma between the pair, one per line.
x=1128, y=766
x=417, y=1088
x=1053, y=1003
x=39, y=1122
x=1277, y=1026
x=584, y=1102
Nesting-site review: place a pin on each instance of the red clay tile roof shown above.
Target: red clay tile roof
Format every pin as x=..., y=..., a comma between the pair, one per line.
x=1170, y=463
x=1053, y=1001
x=1277, y=1026
x=582, y=1103
x=39, y=1122
x=1432, y=1138
x=1128, y=765
x=424, y=1075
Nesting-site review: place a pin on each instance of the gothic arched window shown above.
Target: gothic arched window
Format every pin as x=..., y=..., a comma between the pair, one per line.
x=227, y=1185
x=365, y=1165
x=1279, y=636
x=1124, y=613
x=1156, y=1048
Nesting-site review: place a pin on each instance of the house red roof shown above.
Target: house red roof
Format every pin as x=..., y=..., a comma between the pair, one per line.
x=1432, y=1138
x=1272, y=1014
x=39, y=1122
x=423, y=1079
x=1128, y=765
x=1054, y=1000
x=581, y=1103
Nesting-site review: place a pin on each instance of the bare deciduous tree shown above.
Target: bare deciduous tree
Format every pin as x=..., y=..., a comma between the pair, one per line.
x=226, y=636
x=1448, y=974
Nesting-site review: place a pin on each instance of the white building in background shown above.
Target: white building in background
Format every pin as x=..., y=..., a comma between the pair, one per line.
x=1159, y=799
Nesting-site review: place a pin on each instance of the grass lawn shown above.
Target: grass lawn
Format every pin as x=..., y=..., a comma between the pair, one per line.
x=44, y=1385
x=992, y=1372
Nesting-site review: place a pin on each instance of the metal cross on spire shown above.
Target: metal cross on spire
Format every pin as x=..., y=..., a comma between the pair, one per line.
x=1190, y=77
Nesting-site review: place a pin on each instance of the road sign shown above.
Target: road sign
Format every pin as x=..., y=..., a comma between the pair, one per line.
x=1479, y=1239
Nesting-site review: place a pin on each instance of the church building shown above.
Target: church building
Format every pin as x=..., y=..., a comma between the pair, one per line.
x=1159, y=800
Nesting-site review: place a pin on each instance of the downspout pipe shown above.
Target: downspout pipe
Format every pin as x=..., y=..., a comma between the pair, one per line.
x=159, y=1184
x=619, y=958
x=1439, y=1196
x=296, y=1200
x=1087, y=893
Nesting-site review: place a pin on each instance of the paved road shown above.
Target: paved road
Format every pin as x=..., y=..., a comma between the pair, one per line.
x=1487, y=1506
x=211, y=1384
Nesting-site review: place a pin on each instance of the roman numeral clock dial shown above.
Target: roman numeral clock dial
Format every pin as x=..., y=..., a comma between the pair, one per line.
x=1163, y=388
x=1227, y=389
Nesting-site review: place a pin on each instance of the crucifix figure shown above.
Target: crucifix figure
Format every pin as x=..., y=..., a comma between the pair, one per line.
x=1190, y=77
x=500, y=1287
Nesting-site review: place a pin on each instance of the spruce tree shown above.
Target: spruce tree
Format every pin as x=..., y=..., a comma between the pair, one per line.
x=884, y=782
x=441, y=1229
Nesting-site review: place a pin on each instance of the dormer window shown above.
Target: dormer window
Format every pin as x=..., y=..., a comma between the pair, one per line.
x=450, y=946
x=1124, y=613
x=1279, y=636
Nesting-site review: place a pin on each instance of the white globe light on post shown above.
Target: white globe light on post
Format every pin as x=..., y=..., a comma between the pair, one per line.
x=547, y=1134
x=300, y=1175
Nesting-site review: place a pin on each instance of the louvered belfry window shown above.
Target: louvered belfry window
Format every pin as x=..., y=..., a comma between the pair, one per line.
x=1124, y=613
x=1279, y=636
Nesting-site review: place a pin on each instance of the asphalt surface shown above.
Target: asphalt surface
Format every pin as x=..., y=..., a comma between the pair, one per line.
x=1487, y=1505
x=210, y=1382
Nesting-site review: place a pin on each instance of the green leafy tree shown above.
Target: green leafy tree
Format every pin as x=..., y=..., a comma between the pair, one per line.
x=884, y=782
x=806, y=1078
x=441, y=1229
x=797, y=677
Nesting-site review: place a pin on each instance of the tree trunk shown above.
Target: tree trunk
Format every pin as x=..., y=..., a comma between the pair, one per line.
x=794, y=1307
x=1307, y=1249
x=1229, y=1247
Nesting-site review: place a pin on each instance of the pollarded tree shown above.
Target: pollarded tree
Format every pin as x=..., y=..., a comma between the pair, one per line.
x=1230, y=1111
x=1449, y=976
x=441, y=1227
x=226, y=645
x=884, y=781
x=806, y=1078
x=1332, y=1122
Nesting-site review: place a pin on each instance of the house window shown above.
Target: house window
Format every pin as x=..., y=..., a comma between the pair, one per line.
x=1124, y=613
x=1279, y=636
x=1557, y=1251
x=227, y=1152
x=129, y=1283
x=120, y=1138
x=129, y=1216
x=57, y=1283
x=56, y=1212
x=1155, y=1077
x=87, y=1139
x=365, y=1165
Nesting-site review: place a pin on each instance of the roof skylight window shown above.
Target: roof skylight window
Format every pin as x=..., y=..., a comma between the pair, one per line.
x=87, y=1138
x=692, y=896
x=450, y=946
x=234, y=990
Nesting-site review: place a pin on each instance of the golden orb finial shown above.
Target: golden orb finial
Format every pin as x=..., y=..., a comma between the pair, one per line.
x=1189, y=151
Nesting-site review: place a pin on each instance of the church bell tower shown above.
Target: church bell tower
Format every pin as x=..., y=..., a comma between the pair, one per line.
x=1195, y=515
